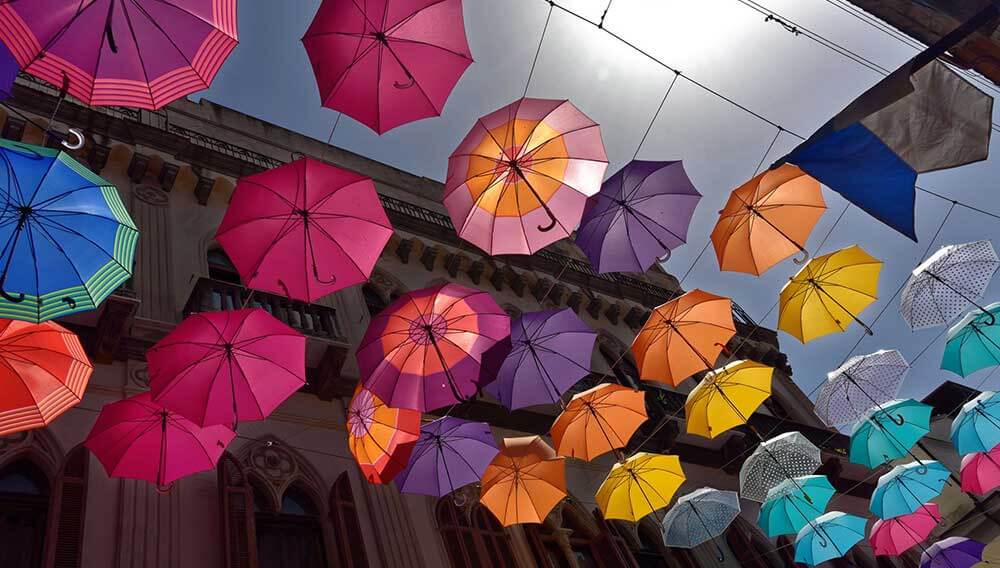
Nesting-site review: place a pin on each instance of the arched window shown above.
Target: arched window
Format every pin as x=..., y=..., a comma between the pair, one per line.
x=479, y=541
x=291, y=536
x=346, y=527
x=220, y=267
x=24, y=506
x=72, y=509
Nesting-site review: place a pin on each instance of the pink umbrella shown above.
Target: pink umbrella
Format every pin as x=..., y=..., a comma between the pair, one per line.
x=227, y=367
x=895, y=536
x=981, y=471
x=304, y=229
x=387, y=62
x=136, y=438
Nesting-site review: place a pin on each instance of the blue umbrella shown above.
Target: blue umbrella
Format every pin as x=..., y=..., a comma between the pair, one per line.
x=829, y=536
x=907, y=488
x=976, y=428
x=792, y=504
x=889, y=431
x=973, y=343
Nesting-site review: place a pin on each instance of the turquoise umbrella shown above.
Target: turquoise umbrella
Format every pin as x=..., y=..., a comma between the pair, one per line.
x=792, y=504
x=907, y=488
x=976, y=428
x=973, y=343
x=889, y=432
x=829, y=536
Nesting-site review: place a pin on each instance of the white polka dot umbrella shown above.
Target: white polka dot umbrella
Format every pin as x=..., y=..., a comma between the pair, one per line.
x=947, y=283
x=782, y=457
x=860, y=385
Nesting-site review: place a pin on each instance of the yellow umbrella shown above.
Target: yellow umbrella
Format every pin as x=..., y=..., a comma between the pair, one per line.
x=640, y=485
x=726, y=397
x=828, y=293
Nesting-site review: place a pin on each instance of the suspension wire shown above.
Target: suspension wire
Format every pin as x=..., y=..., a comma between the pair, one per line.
x=538, y=51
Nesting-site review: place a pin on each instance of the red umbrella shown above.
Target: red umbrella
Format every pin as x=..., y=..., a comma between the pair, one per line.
x=226, y=367
x=305, y=229
x=136, y=438
x=387, y=62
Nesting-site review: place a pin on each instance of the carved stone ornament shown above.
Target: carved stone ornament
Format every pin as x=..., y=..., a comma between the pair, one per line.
x=271, y=461
x=151, y=195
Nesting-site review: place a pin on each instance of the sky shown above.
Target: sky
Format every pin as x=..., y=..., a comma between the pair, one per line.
x=721, y=44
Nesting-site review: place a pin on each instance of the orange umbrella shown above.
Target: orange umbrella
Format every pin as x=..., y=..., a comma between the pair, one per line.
x=524, y=481
x=767, y=219
x=683, y=336
x=599, y=420
x=380, y=437
x=43, y=373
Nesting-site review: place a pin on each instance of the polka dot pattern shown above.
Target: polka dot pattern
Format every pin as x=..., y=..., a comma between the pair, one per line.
x=859, y=385
x=782, y=457
x=933, y=295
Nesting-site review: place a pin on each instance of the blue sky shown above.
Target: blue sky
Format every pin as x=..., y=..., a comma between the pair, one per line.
x=720, y=43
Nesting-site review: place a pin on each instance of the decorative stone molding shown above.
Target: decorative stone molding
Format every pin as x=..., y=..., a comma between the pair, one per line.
x=137, y=167
x=151, y=194
x=168, y=175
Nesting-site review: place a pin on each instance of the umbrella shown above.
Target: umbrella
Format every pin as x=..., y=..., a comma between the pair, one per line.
x=895, y=536
x=859, y=385
x=450, y=453
x=794, y=503
x=981, y=471
x=784, y=457
x=889, y=431
x=387, y=63
x=141, y=53
x=828, y=293
x=830, y=536
x=304, y=229
x=521, y=177
x=726, y=397
x=700, y=516
x=639, y=485
x=683, y=336
x=947, y=283
x=68, y=240
x=907, y=488
x=380, y=438
x=641, y=213
x=550, y=352
x=976, y=427
x=524, y=481
x=973, y=343
x=598, y=420
x=425, y=350
x=227, y=367
x=44, y=373
x=136, y=438
x=8, y=72
x=767, y=220
x=953, y=552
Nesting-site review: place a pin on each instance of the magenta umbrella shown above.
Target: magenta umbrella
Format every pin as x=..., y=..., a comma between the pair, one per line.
x=227, y=367
x=895, y=536
x=387, y=62
x=304, y=229
x=981, y=471
x=137, y=438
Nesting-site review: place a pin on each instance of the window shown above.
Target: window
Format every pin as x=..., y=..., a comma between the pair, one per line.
x=289, y=537
x=346, y=528
x=621, y=365
x=24, y=505
x=373, y=300
x=479, y=541
x=221, y=268
x=72, y=509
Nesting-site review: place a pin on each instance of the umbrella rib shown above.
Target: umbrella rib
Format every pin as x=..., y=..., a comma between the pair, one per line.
x=41, y=225
x=135, y=41
x=48, y=236
x=190, y=13
x=38, y=186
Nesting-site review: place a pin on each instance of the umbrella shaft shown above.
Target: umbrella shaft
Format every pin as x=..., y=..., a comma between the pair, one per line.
x=447, y=372
x=868, y=330
x=959, y=293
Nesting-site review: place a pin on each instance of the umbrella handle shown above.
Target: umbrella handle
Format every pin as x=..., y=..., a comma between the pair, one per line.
x=80, y=140
x=719, y=554
x=993, y=318
x=165, y=489
x=332, y=280
x=69, y=302
x=804, y=259
x=285, y=288
x=110, y=34
x=6, y=295
x=901, y=420
x=665, y=257
x=552, y=222
x=405, y=85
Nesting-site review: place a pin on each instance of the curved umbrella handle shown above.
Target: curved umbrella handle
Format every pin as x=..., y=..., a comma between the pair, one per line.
x=720, y=556
x=665, y=257
x=901, y=419
x=332, y=280
x=405, y=85
x=285, y=288
x=993, y=318
x=804, y=259
x=822, y=539
x=552, y=221
x=76, y=145
x=165, y=489
x=69, y=302
x=6, y=295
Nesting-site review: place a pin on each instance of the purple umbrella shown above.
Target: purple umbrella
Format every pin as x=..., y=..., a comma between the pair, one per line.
x=450, y=453
x=953, y=552
x=641, y=213
x=549, y=353
x=8, y=71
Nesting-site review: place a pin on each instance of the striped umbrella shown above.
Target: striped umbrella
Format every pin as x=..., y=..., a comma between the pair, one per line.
x=380, y=438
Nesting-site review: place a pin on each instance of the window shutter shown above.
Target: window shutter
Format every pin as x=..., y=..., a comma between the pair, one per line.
x=72, y=510
x=236, y=502
x=344, y=514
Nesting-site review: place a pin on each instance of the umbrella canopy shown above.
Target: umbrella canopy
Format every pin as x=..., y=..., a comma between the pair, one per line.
x=907, y=488
x=895, y=536
x=640, y=485
x=521, y=177
x=976, y=427
x=380, y=438
x=683, y=336
x=68, y=240
x=549, y=353
x=227, y=367
x=136, y=438
x=141, y=53
x=700, y=516
x=973, y=343
x=524, y=481
x=387, y=63
x=947, y=283
x=450, y=453
x=598, y=420
x=953, y=552
x=829, y=536
x=793, y=503
x=425, y=350
x=727, y=397
x=767, y=220
x=889, y=431
x=8, y=72
x=304, y=229
x=44, y=373
x=782, y=458
x=861, y=384
x=981, y=471
x=828, y=293
x=641, y=213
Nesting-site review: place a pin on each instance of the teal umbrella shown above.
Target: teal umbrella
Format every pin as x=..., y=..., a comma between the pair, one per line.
x=976, y=428
x=829, y=536
x=888, y=432
x=793, y=503
x=973, y=343
x=907, y=488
